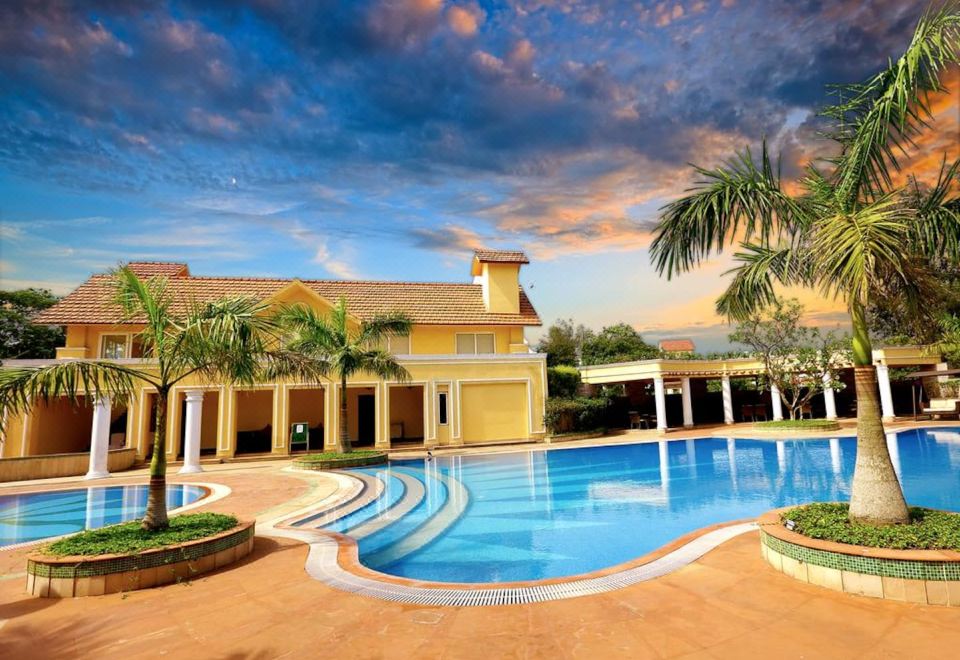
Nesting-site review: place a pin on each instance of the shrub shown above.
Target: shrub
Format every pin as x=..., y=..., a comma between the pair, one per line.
x=129, y=538
x=575, y=415
x=808, y=424
x=563, y=381
x=928, y=529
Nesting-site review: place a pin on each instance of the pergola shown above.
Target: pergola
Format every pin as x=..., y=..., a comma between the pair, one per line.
x=664, y=371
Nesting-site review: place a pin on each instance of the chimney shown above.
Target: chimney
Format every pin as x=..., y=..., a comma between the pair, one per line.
x=498, y=272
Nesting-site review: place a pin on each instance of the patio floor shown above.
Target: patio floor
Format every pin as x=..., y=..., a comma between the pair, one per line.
x=727, y=604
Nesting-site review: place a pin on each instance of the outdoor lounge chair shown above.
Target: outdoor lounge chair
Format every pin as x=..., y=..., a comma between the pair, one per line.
x=940, y=408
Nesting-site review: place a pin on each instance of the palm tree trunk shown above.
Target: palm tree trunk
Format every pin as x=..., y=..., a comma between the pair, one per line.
x=875, y=496
x=344, y=447
x=155, y=517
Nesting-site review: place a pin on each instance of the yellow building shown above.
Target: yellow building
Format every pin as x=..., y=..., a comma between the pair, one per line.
x=474, y=378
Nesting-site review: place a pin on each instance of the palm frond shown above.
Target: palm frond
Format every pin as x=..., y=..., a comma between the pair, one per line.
x=850, y=248
x=21, y=387
x=759, y=268
x=295, y=366
x=936, y=230
x=396, y=324
x=881, y=117
x=739, y=200
x=383, y=365
x=146, y=300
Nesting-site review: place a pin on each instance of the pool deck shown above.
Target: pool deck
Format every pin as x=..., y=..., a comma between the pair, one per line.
x=729, y=603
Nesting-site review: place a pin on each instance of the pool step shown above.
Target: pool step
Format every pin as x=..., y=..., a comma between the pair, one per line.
x=413, y=495
x=372, y=488
x=457, y=500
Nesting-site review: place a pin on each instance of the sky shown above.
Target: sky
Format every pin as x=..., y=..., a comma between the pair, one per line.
x=386, y=139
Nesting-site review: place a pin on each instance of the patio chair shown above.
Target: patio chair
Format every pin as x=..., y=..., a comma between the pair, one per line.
x=941, y=408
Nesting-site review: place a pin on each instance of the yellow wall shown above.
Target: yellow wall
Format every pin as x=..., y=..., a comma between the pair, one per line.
x=442, y=339
x=254, y=409
x=491, y=411
x=501, y=284
x=306, y=405
x=406, y=407
x=209, y=422
x=59, y=427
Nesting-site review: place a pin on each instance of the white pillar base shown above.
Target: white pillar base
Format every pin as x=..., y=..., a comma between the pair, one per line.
x=776, y=403
x=191, y=443
x=99, y=440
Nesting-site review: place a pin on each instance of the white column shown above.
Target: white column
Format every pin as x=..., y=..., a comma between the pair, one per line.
x=776, y=403
x=99, y=439
x=886, y=398
x=191, y=440
x=829, y=402
x=687, y=402
x=661, y=400
x=727, y=401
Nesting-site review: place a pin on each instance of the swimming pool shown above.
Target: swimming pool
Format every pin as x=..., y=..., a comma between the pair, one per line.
x=33, y=516
x=546, y=514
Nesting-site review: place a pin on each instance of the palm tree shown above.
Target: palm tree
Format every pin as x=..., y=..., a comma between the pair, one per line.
x=850, y=232
x=346, y=346
x=228, y=340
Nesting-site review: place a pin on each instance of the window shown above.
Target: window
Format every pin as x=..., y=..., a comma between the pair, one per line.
x=442, y=404
x=113, y=347
x=475, y=343
x=399, y=345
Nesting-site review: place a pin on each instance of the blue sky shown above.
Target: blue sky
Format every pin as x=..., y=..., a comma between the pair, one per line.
x=386, y=139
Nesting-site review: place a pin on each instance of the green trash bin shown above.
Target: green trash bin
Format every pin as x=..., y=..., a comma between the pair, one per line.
x=300, y=435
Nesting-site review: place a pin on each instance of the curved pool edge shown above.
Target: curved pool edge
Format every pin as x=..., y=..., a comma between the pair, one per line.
x=212, y=493
x=333, y=559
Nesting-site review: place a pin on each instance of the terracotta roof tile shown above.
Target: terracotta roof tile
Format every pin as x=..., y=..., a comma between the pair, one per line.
x=677, y=345
x=161, y=268
x=502, y=256
x=427, y=303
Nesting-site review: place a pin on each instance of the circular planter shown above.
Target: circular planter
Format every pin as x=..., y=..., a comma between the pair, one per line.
x=337, y=463
x=66, y=577
x=930, y=577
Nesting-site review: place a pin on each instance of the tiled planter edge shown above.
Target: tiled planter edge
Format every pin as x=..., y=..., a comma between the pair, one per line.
x=67, y=577
x=929, y=577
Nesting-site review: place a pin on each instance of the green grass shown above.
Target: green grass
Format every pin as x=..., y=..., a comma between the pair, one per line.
x=128, y=538
x=928, y=529
x=335, y=455
x=806, y=424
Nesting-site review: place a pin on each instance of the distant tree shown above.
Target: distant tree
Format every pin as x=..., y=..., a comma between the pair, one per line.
x=617, y=343
x=19, y=336
x=800, y=361
x=562, y=342
x=563, y=381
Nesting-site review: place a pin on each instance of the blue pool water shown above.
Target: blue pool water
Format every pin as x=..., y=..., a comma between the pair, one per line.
x=34, y=516
x=544, y=514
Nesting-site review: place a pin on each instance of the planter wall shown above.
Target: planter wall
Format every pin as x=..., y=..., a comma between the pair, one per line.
x=66, y=577
x=916, y=576
x=61, y=465
x=338, y=463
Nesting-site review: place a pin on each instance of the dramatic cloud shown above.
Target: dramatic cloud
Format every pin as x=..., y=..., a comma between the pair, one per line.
x=349, y=136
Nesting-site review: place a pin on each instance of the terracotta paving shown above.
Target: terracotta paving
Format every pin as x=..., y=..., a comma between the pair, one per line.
x=729, y=604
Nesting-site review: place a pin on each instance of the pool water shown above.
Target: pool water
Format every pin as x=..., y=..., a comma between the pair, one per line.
x=34, y=516
x=544, y=514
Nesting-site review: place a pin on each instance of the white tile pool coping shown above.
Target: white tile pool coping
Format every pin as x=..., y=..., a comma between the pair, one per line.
x=322, y=564
x=216, y=492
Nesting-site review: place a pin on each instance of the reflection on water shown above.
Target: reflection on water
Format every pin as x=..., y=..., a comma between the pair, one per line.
x=34, y=516
x=551, y=513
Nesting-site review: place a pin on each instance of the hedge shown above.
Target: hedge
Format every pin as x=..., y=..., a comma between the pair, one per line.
x=563, y=381
x=575, y=415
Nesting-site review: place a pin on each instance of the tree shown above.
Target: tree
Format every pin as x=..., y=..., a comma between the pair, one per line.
x=800, y=361
x=347, y=346
x=227, y=340
x=19, y=336
x=849, y=232
x=617, y=343
x=563, y=342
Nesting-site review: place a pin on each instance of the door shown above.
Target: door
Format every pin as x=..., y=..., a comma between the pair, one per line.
x=366, y=419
